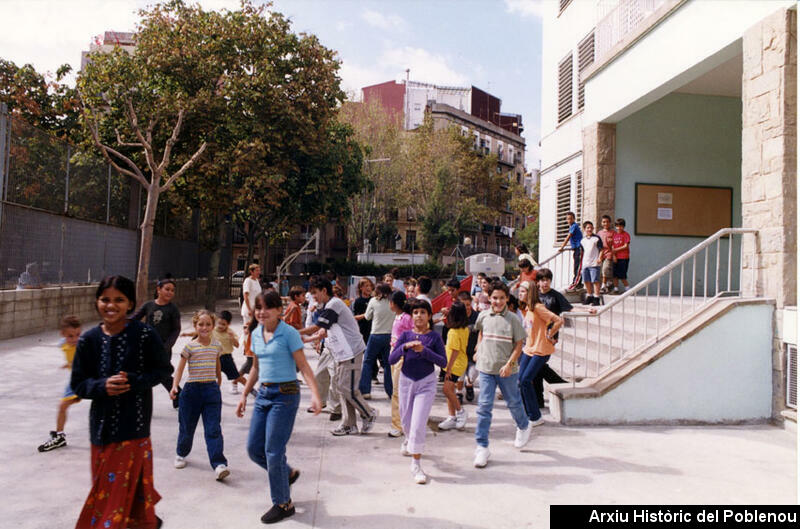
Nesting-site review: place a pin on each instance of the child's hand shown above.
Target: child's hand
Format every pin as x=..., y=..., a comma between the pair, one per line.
x=416, y=346
x=242, y=406
x=316, y=404
x=173, y=393
x=117, y=384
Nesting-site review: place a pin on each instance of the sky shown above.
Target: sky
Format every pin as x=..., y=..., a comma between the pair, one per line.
x=494, y=45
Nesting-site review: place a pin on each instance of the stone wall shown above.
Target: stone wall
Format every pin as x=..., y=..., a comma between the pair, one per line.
x=25, y=312
x=599, y=170
x=769, y=170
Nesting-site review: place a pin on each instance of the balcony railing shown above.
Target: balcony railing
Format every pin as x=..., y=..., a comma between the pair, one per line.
x=620, y=22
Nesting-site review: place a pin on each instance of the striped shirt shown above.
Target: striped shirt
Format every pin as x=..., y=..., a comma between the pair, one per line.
x=501, y=332
x=202, y=360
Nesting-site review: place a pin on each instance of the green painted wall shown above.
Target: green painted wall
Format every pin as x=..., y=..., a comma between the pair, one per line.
x=681, y=139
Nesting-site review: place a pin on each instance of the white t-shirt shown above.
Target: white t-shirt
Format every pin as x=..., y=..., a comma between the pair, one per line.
x=252, y=288
x=336, y=311
x=591, y=251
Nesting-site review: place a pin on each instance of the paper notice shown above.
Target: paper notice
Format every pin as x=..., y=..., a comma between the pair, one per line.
x=665, y=198
x=664, y=214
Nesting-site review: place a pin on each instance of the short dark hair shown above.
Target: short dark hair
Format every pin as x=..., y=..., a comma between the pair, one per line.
x=399, y=298
x=457, y=317
x=121, y=283
x=226, y=315
x=525, y=263
x=571, y=214
x=454, y=283
x=383, y=290
x=498, y=285
x=588, y=223
x=322, y=283
x=425, y=284
x=482, y=274
x=604, y=217
x=69, y=322
x=296, y=291
x=620, y=222
x=544, y=273
x=522, y=248
x=268, y=300
x=513, y=303
x=464, y=296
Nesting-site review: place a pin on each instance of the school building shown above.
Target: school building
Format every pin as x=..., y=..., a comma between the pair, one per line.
x=679, y=116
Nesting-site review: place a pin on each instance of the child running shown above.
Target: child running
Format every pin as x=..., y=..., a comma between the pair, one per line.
x=201, y=395
x=116, y=365
x=402, y=323
x=228, y=340
x=457, y=339
x=70, y=329
x=420, y=349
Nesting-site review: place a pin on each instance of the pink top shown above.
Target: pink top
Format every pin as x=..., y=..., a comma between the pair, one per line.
x=402, y=323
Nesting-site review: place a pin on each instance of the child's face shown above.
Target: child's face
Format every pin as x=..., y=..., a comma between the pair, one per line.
x=620, y=228
x=453, y=292
x=113, y=306
x=523, y=293
x=570, y=219
x=589, y=229
x=498, y=299
x=544, y=284
x=366, y=290
x=166, y=293
x=71, y=335
x=204, y=326
x=421, y=318
x=484, y=284
x=222, y=325
x=267, y=316
x=605, y=223
x=411, y=290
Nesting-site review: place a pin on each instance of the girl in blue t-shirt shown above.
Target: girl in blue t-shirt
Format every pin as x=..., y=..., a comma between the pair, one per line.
x=278, y=351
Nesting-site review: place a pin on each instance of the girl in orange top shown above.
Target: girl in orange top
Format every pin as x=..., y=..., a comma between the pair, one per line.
x=539, y=345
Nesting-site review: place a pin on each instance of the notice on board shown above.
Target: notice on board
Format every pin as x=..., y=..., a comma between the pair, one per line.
x=665, y=198
x=664, y=214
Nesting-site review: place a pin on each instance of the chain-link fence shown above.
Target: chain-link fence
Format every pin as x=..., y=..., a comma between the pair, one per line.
x=67, y=216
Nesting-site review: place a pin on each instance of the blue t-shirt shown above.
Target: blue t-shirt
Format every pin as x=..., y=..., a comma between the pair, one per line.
x=575, y=236
x=275, y=359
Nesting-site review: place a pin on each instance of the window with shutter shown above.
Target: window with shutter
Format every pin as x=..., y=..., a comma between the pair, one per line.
x=579, y=197
x=562, y=207
x=565, y=88
x=585, y=59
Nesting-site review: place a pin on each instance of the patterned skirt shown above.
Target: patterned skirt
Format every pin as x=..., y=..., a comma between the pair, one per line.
x=122, y=495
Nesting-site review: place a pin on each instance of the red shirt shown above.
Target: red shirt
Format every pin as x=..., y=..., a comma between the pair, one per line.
x=621, y=239
x=292, y=316
x=606, y=236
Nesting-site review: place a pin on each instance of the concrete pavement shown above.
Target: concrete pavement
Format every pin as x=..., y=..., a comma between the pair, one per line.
x=363, y=481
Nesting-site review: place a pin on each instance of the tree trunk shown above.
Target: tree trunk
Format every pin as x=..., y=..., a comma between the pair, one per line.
x=146, y=246
x=213, y=266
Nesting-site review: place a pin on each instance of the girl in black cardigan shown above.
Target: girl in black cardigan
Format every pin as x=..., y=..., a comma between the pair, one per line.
x=116, y=365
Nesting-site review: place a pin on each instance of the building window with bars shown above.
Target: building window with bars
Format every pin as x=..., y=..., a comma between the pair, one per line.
x=563, y=187
x=565, y=88
x=585, y=59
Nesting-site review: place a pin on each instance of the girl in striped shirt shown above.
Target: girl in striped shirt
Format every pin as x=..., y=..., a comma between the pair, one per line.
x=201, y=395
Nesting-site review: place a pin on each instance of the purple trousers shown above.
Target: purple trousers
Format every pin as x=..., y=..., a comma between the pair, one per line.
x=416, y=400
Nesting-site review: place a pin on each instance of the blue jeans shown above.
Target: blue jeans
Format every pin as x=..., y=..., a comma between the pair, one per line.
x=270, y=429
x=377, y=347
x=201, y=399
x=529, y=367
x=509, y=387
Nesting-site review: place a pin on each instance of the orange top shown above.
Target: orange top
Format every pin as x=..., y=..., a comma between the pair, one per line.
x=528, y=276
x=247, y=350
x=537, y=321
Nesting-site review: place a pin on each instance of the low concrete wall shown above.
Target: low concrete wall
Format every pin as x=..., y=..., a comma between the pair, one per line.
x=25, y=312
x=722, y=373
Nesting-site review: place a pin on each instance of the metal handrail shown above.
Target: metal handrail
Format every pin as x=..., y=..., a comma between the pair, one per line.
x=650, y=323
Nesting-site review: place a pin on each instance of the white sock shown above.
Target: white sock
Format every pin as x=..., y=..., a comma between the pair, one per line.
x=415, y=465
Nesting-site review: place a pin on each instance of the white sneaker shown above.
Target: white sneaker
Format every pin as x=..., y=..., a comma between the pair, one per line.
x=419, y=476
x=522, y=437
x=234, y=388
x=461, y=419
x=537, y=422
x=369, y=422
x=448, y=424
x=481, y=456
x=404, y=448
x=180, y=462
x=222, y=472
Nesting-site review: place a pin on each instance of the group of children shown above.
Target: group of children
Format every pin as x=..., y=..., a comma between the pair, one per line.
x=599, y=259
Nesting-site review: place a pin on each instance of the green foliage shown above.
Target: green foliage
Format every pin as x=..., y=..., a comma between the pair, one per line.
x=529, y=235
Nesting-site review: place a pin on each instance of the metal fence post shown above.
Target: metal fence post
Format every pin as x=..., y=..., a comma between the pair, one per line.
x=66, y=187
x=3, y=156
x=108, y=195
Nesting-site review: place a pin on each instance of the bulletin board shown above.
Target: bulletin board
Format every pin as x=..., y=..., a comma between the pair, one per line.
x=688, y=211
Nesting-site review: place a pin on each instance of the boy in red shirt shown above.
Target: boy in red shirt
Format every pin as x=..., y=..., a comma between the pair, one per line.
x=620, y=248
x=293, y=315
x=607, y=268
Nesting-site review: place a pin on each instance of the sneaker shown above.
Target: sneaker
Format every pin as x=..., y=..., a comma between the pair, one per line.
x=311, y=410
x=395, y=433
x=470, y=393
x=522, y=437
x=222, y=472
x=344, y=430
x=369, y=422
x=404, y=448
x=537, y=422
x=278, y=513
x=448, y=424
x=180, y=462
x=293, y=475
x=481, y=456
x=335, y=416
x=419, y=476
x=57, y=440
x=367, y=396
x=461, y=419
x=234, y=388
x=596, y=302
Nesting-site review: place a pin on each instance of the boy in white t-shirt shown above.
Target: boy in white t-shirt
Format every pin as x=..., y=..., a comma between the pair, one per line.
x=592, y=246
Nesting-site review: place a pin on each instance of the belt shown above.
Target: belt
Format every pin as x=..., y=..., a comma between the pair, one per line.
x=273, y=384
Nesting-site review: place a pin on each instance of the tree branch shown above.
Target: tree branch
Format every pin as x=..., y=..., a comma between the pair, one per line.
x=185, y=167
x=146, y=146
x=124, y=143
x=172, y=140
